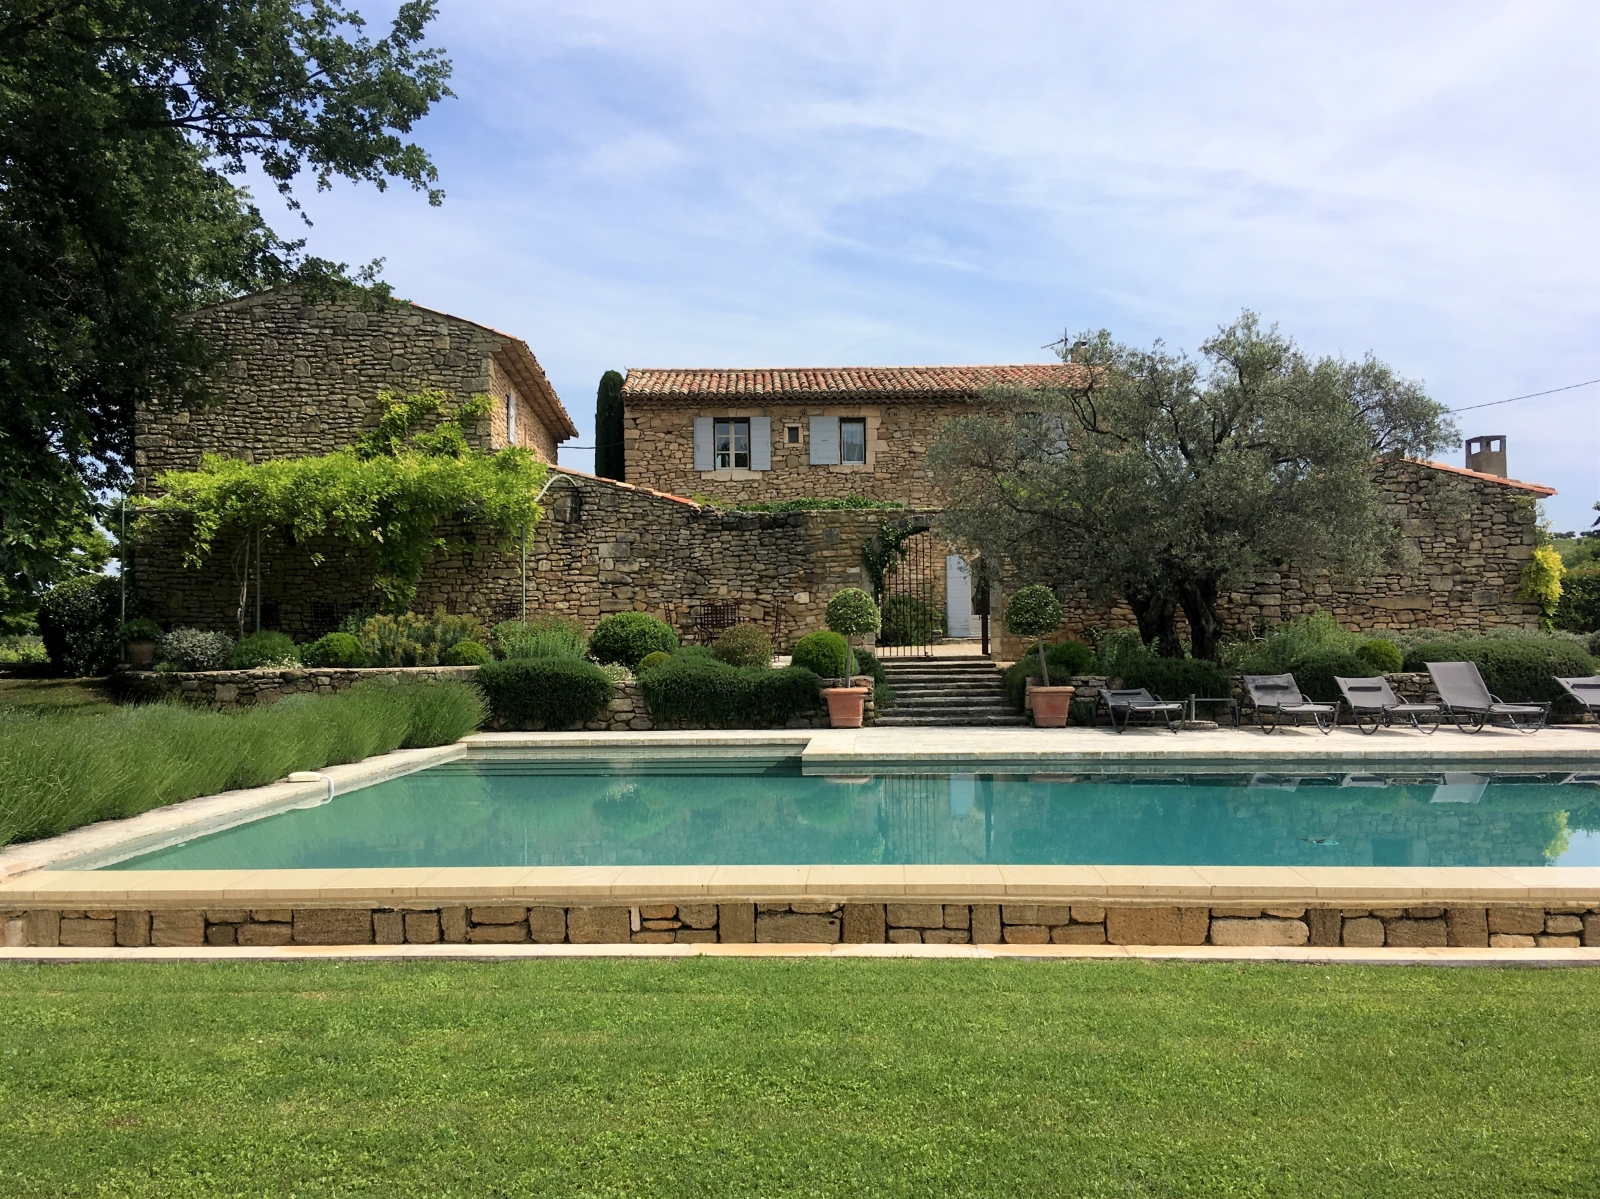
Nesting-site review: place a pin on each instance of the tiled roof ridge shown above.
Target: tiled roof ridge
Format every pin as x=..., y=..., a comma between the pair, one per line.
x=642, y=490
x=781, y=380
x=1537, y=488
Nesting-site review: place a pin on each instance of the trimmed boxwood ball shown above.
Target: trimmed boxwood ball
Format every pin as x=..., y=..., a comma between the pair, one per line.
x=265, y=648
x=822, y=653
x=651, y=660
x=555, y=693
x=744, y=645
x=851, y=613
x=338, y=650
x=626, y=637
x=465, y=653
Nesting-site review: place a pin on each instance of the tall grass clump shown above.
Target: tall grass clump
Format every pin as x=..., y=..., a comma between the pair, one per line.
x=63, y=770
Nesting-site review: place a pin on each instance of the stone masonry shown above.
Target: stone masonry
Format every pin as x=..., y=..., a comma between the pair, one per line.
x=811, y=922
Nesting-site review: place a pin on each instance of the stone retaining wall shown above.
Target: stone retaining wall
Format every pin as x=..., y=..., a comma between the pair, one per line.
x=812, y=922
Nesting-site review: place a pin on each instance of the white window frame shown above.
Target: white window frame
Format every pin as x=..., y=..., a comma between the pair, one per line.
x=725, y=438
x=855, y=422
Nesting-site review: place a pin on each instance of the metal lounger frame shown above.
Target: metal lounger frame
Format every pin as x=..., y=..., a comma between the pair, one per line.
x=1482, y=716
x=1297, y=707
x=1149, y=705
x=1591, y=684
x=1383, y=713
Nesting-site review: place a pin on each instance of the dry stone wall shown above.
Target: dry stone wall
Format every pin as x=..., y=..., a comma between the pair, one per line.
x=811, y=922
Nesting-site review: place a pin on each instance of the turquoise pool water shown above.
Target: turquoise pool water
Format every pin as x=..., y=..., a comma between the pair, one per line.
x=522, y=813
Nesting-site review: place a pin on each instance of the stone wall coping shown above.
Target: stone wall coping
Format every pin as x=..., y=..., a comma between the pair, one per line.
x=416, y=887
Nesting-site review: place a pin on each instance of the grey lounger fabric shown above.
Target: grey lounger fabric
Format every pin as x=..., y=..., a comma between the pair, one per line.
x=1467, y=700
x=1133, y=702
x=1281, y=696
x=1585, y=691
x=1374, y=698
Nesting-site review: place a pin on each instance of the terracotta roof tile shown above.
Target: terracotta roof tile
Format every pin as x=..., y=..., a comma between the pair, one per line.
x=903, y=382
x=1536, y=488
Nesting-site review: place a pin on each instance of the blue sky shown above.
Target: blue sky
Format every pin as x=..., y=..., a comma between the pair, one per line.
x=721, y=184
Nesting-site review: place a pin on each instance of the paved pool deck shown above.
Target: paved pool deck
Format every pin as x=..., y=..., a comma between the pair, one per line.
x=38, y=873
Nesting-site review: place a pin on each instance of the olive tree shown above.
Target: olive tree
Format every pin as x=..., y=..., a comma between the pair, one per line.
x=1166, y=481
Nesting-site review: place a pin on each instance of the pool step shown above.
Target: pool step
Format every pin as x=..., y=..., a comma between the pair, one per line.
x=931, y=692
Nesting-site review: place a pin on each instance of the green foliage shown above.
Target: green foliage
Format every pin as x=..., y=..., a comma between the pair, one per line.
x=626, y=637
x=609, y=450
x=194, y=649
x=40, y=548
x=1065, y=659
x=1070, y=657
x=744, y=645
x=140, y=628
x=886, y=550
x=821, y=652
x=22, y=651
x=122, y=127
x=1167, y=481
x=653, y=659
x=1541, y=583
x=388, y=496
x=907, y=620
x=338, y=650
x=78, y=621
x=412, y=640
x=1315, y=672
x=698, y=690
x=264, y=648
x=1514, y=668
x=465, y=653
x=1579, y=609
x=1176, y=678
x=851, y=613
x=550, y=693
x=1033, y=611
x=544, y=636
x=1384, y=657
x=61, y=771
x=1276, y=653
x=850, y=503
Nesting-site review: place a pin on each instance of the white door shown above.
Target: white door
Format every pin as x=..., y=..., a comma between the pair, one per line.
x=957, y=597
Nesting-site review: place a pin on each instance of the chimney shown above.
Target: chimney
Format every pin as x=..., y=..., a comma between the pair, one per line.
x=1487, y=455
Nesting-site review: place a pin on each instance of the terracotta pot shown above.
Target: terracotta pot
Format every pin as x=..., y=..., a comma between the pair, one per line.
x=1051, y=705
x=141, y=654
x=845, y=706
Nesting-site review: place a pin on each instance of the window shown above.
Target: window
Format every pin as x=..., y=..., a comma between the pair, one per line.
x=732, y=442
x=791, y=434
x=511, y=418
x=853, y=440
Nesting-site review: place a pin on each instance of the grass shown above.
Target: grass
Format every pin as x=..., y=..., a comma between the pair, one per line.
x=69, y=766
x=815, y=1078
x=20, y=694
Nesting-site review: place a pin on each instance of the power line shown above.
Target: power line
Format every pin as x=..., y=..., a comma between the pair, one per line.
x=1529, y=396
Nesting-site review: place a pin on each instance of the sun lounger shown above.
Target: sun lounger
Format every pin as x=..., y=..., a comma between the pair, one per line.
x=1467, y=699
x=1133, y=702
x=1585, y=691
x=1375, y=699
x=1280, y=695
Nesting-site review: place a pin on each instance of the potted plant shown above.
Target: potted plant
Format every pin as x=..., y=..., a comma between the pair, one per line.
x=1033, y=612
x=139, y=639
x=851, y=613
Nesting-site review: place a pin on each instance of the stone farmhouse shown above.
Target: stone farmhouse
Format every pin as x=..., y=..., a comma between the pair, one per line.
x=301, y=375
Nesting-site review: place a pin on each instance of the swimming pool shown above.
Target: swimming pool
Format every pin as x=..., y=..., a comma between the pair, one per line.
x=664, y=811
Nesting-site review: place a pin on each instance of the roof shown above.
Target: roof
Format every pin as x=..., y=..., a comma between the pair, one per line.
x=804, y=382
x=1536, y=488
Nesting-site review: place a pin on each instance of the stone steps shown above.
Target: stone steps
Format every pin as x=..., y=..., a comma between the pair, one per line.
x=930, y=692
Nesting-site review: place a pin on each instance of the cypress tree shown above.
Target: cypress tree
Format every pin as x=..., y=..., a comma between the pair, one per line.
x=608, y=463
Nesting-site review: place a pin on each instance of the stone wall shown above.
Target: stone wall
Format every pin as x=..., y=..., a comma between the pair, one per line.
x=659, y=447
x=1466, y=540
x=810, y=922
x=301, y=377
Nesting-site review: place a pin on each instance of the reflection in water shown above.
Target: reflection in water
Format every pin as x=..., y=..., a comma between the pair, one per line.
x=653, y=813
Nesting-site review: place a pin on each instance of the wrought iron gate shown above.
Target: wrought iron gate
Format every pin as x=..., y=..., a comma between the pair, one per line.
x=913, y=599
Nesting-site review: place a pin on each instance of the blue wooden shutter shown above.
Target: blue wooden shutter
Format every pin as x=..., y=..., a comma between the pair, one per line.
x=760, y=443
x=824, y=441
x=704, y=459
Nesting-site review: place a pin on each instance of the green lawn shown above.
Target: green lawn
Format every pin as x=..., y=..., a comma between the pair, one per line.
x=55, y=695
x=718, y=1077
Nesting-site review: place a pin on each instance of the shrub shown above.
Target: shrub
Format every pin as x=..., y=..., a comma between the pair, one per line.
x=22, y=651
x=1065, y=659
x=1070, y=657
x=627, y=637
x=335, y=650
x=195, y=649
x=1315, y=672
x=822, y=653
x=907, y=620
x=412, y=640
x=1276, y=653
x=556, y=693
x=141, y=628
x=698, y=689
x=465, y=653
x=653, y=659
x=744, y=645
x=544, y=636
x=1382, y=656
x=852, y=613
x=1579, y=609
x=1514, y=668
x=264, y=648
x=1033, y=612
x=78, y=623
x=61, y=771
x=1177, y=678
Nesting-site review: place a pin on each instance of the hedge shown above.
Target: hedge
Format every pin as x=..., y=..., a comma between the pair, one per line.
x=1514, y=668
x=694, y=688
x=1315, y=672
x=556, y=693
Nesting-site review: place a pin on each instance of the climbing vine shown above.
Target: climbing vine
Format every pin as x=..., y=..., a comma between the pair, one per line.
x=389, y=493
x=886, y=550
